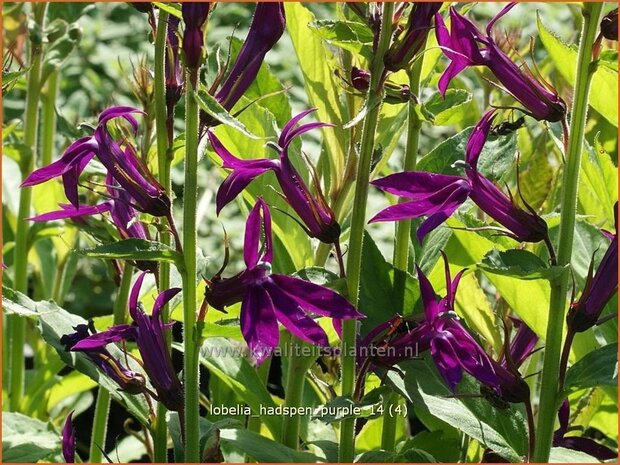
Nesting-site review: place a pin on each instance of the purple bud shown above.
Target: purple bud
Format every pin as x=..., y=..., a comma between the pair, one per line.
x=195, y=15
x=360, y=79
x=609, y=25
x=68, y=440
x=172, y=66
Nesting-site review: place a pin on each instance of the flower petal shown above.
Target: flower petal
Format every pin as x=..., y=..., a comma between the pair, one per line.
x=102, y=339
x=69, y=211
x=258, y=323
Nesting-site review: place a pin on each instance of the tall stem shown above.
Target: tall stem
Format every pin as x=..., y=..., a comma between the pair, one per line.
x=16, y=324
x=358, y=221
x=102, y=406
x=553, y=343
x=403, y=233
x=160, y=439
x=190, y=339
x=48, y=117
x=294, y=392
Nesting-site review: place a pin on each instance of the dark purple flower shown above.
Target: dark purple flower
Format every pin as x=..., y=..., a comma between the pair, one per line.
x=268, y=298
x=266, y=29
x=68, y=440
x=579, y=443
x=127, y=379
x=121, y=161
x=405, y=47
x=609, y=25
x=313, y=210
x=360, y=79
x=466, y=46
x=195, y=15
x=453, y=349
x=149, y=334
x=438, y=196
x=172, y=66
x=599, y=290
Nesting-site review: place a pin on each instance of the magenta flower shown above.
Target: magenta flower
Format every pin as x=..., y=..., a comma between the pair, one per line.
x=68, y=440
x=466, y=46
x=438, y=196
x=407, y=45
x=609, y=25
x=317, y=216
x=172, y=66
x=599, y=289
x=148, y=332
x=195, y=15
x=128, y=380
x=453, y=349
x=268, y=298
x=121, y=161
x=580, y=443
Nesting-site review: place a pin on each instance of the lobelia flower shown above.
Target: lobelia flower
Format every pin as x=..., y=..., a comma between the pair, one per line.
x=452, y=348
x=317, y=216
x=267, y=27
x=195, y=15
x=122, y=213
x=609, y=25
x=583, y=444
x=122, y=164
x=148, y=332
x=68, y=440
x=465, y=45
x=128, y=380
x=405, y=47
x=268, y=298
x=599, y=289
x=172, y=66
x=438, y=196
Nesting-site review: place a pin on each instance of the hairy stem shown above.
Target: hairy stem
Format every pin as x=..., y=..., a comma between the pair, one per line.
x=294, y=392
x=160, y=431
x=190, y=338
x=16, y=324
x=358, y=221
x=559, y=287
x=102, y=406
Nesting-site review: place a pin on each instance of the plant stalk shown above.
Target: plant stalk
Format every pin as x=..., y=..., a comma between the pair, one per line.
x=102, y=406
x=160, y=431
x=16, y=324
x=190, y=339
x=294, y=393
x=358, y=221
x=559, y=287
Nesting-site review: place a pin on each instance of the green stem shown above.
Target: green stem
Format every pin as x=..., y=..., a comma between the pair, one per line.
x=16, y=324
x=190, y=340
x=403, y=233
x=102, y=406
x=48, y=118
x=358, y=221
x=294, y=392
x=160, y=431
x=559, y=287
x=254, y=422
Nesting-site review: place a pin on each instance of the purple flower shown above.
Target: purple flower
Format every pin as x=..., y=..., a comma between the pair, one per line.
x=128, y=380
x=148, y=332
x=317, y=216
x=268, y=298
x=266, y=29
x=405, y=47
x=453, y=349
x=599, y=289
x=121, y=161
x=122, y=213
x=583, y=444
x=466, y=46
x=195, y=15
x=68, y=440
x=438, y=196
x=609, y=25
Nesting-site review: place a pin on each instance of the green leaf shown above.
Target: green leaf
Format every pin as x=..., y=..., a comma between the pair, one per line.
x=323, y=277
x=170, y=8
x=212, y=107
x=446, y=111
x=496, y=158
x=563, y=455
x=322, y=87
x=135, y=249
x=518, y=263
x=503, y=431
x=347, y=35
x=597, y=368
x=26, y=440
x=604, y=89
x=60, y=50
x=262, y=449
x=224, y=359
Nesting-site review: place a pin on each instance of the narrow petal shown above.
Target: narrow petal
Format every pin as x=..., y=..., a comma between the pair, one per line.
x=258, y=323
x=429, y=298
x=162, y=299
x=237, y=181
x=284, y=136
x=451, y=71
x=69, y=211
x=478, y=138
x=68, y=440
x=415, y=184
x=135, y=295
x=316, y=299
x=253, y=228
x=301, y=130
x=121, y=112
x=99, y=340
x=446, y=362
